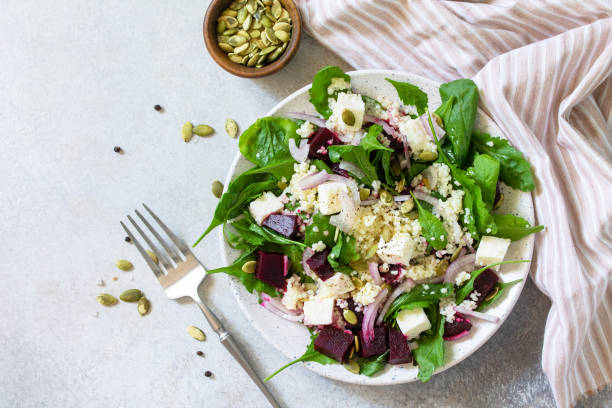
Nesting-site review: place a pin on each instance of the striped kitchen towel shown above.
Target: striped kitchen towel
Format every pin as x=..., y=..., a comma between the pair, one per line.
x=545, y=73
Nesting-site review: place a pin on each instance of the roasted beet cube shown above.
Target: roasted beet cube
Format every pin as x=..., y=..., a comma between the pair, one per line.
x=271, y=269
x=393, y=275
x=377, y=346
x=484, y=284
x=334, y=343
x=319, y=265
x=284, y=224
x=458, y=326
x=320, y=141
x=399, y=352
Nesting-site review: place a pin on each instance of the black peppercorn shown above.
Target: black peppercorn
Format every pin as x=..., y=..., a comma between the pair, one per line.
x=157, y=108
x=117, y=149
x=199, y=353
x=128, y=239
x=208, y=374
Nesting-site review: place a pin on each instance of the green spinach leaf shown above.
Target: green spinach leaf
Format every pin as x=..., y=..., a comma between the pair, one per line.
x=370, y=141
x=468, y=287
x=500, y=289
x=433, y=229
x=514, y=170
x=250, y=282
x=372, y=365
x=484, y=172
x=319, y=230
x=514, y=228
x=318, y=92
x=343, y=252
x=356, y=155
x=430, y=353
x=419, y=296
x=410, y=95
x=267, y=140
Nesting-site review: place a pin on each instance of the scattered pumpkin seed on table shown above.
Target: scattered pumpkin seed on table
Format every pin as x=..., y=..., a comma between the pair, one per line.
x=143, y=306
x=203, y=130
x=106, y=299
x=231, y=127
x=217, y=188
x=152, y=256
x=260, y=25
x=187, y=131
x=196, y=333
x=124, y=265
x=130, y=295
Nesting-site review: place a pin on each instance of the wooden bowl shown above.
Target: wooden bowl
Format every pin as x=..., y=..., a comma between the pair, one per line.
x=215, y=9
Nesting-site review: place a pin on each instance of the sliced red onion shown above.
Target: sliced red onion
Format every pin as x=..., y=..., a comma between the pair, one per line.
x=306, y=255
x=478, y=315
x=305, y=116
x=351, y=168
x=426, y=197
x=374, y=273
x=300, y=154
x=314, y=179
x=285, y=265
x=463, y=263
x=439, y=131
x=390, y=130
x=278, y=304
x=405, y=286
x=457, y=336
x=402, y=197
x=274, y=310
x=468, y=244
x=369, y=316
x=371, y=201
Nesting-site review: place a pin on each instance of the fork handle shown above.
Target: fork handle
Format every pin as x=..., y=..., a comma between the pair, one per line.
x=230, y=344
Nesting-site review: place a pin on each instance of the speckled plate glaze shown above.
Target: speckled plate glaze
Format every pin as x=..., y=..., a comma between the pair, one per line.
x=291, y=339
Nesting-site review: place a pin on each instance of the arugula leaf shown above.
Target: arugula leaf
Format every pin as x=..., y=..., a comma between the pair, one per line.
x=484, y=172
x=500, y=290
x=267, y=140
x=430, y=353
x=468, y=287
x=410, y=95
x=356, y=155
x=280, y=169
x=515, y=170
x=370, y=141
x=256, y=234
x=315, y=232
x=382, y=162
x=459, y=119
x=419, y=297
x=415, y=169
x=433, y=229
x=343, y=252
x=321, y=165
x=250, y=282
x=318, y=92
x=372, y=365
x=514, y=228
x=310, y=355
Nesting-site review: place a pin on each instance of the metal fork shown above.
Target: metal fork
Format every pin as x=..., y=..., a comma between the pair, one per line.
x=180, y=274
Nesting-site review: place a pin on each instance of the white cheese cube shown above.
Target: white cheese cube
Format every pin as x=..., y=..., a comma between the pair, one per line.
x=413, y=322
x=318, y=312
x=329, y=197
x=398, y=250
x=352, y=103
x=265, y=205
x=335, y=286
x=417, y=137
x=491, y=250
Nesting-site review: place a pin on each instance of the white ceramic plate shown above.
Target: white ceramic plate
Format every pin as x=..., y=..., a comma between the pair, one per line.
x=291, y=339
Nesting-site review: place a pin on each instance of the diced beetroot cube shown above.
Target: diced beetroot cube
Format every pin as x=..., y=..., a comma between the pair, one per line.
x=284, y=224
x=375, y=347
x=320, y=141
x=319, y=264
x=334, y=343
x=271, y=269
x=389, y=277
x=399, y=352
x=458, y=326
x=484, y=284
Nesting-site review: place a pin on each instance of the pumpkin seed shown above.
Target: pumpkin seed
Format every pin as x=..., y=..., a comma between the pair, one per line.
x=492, y=294
x=152, y=256
x=413, y=215
x=455, y=254
x=260, y=60
x=187, y=131
x=387, y=286
x=230, y=31
x=223, y=39
x=252, y=60
x=407, y=206
x=386, y=197
x=231, y=127
x=267, y=2
x=251, y=6
x=226, y=47
x=400, y=185
x=268, y=50
x=441, y=267
x=196, y=333
x=396, y=167
x=254, y=34
x=235, y=58
x=256, y=24
x=348, y=117
x=282, y=35
x=358, y=283
x=364, y=193
x=260, y=44
x=217, y=188
x=285, y=46
x=130, y=295
x=247, y=22
x=249, y=267
x=357, y=344
x=221, y=26
x=242, y=14
x=230, y=22
x=275, y=54
x=371, y=251
x=106, y=299
x=499, y=202
x=236, y=5
x=229, y=12
x=270, y=16
x=352, y=366
x=349, y=316
x=386, y=234
x=284, y=20
x=270, y=35
x=282, y=26
x=266, y=22
x=284, y=14
x=236, y=40
x=428, y=156
x=264, y=39
x=124, y=265
x=203, y=130
x=242, y=49
x=245, y=34
x=143, y=306
x=277, y=9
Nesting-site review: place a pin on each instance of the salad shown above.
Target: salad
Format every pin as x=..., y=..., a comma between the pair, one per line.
x=374, y=222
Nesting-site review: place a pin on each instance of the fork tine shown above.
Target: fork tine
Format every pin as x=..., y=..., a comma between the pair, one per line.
x=162, y=241
x=160, y=254
x=179, y=244
x=155, y=268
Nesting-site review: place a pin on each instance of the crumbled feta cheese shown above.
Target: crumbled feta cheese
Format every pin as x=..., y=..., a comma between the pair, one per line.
x=318, y=246
x=318, y=311
x=294, y=294
x=329, y=197
x=366, y=294
x=462, y=277
x=468, y=304
x=354, y=104
x=265, y=205
x=305, y=130
x=384, y=267
x=335, y=286
x=412, y=322
x=398, y=250
x=342, y=303
x=417, y=137
x=491, y=250
x=447, y=308
x=315, y=228
x=338, y=84
x=489, y=143
x=475, y=295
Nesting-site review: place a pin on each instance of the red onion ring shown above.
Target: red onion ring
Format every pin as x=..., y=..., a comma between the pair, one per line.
x=405, y=286
x=369, y=316
x=463, y=263
x=300, y=154
x=374, y=273
x=478, y=315
x=305, y=116
x=314, y=179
